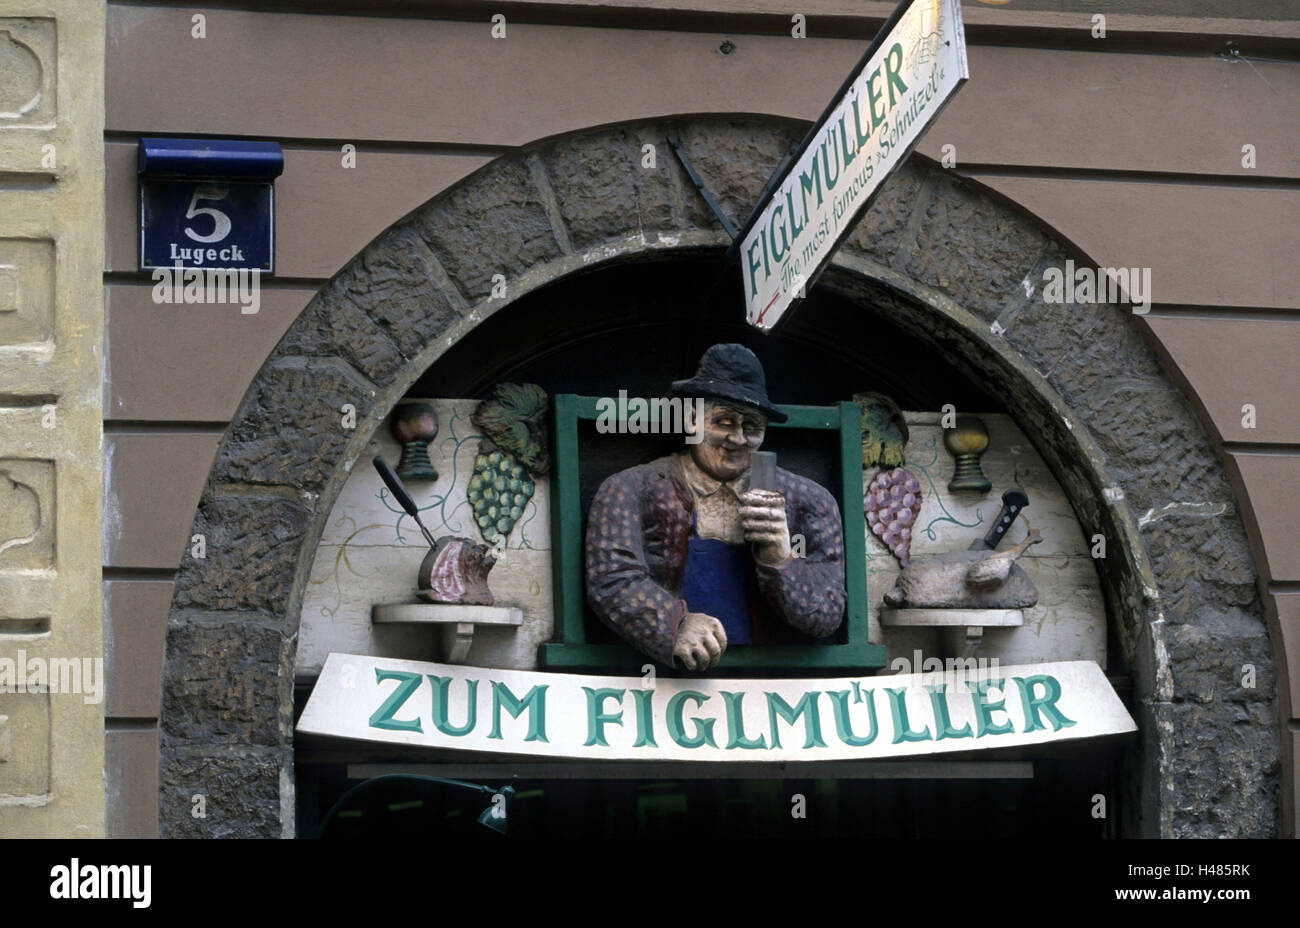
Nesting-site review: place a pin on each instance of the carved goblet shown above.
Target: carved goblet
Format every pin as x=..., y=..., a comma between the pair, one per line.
x=414, y=425
x=966, y=442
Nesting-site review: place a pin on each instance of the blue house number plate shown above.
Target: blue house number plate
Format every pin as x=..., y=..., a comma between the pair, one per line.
x=206, y=224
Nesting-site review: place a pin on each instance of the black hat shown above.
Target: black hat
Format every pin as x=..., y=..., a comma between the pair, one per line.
x=731, y=372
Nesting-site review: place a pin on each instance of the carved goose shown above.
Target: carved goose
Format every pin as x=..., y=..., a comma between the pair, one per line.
x=994, y=569
x=972, y=579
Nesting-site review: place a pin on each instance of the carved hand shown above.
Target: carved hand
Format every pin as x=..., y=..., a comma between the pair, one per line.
x=762, y=515
x=701, y=639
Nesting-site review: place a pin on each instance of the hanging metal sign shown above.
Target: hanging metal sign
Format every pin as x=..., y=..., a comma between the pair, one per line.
x=913, y=67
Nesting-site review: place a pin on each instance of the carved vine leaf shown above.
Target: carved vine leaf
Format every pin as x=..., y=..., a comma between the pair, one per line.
x=514, y=417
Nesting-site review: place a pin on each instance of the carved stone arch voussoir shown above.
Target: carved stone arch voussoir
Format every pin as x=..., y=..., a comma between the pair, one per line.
x=935, y=254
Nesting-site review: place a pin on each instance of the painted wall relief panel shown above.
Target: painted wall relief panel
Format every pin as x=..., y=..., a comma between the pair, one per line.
x=1069, y=621
x=370, y=552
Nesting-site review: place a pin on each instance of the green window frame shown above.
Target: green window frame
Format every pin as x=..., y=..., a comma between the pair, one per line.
x=570, y=650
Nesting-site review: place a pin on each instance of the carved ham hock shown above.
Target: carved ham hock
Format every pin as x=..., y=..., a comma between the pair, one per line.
x=976, y=588
x=452, y=582
x=455, y=571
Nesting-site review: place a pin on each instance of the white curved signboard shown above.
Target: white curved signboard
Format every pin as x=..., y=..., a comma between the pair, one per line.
x=632, y=718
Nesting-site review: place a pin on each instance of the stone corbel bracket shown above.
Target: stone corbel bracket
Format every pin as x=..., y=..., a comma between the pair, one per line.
x=454, y=624
x=973, y=620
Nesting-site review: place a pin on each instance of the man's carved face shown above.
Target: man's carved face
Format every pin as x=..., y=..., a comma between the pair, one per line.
x=732, y=433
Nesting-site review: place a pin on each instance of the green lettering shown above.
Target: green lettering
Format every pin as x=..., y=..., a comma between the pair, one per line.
x=873, y=97
x=795, y=225
x=898, y=709
x=753, y=270
x=863, y=138
x=826, y=162
x=441, y=688
x=846, y=155
x=534, y=702
x=843, y=727
x=785, y=241
x=383, y=716
x=1045, y=703
x=807, y=707
x=736, y=737
x=984, y=724
x=596, y=717
x=942, y=722
x=892, y=67
x=810, y=182
x=645, y=719
x=703, y=727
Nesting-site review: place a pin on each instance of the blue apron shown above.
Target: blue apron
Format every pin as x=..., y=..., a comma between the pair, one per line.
x=715, y=583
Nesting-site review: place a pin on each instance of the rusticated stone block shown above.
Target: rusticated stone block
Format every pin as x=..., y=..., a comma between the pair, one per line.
x=1225, y=770
x=380, y=311
x=595, y=186
x=1151, y=438
x=735, y=158
x=335, y=325
x=1200, y=561
x=1079, y=346
x=494, y=222
x=237, y=792
x=1209, y=659
x=216, y=682
x=396, y=281
x=252, y=549
x=604, y=192
x=667, y=200
x=971, y=248
x=290, y=429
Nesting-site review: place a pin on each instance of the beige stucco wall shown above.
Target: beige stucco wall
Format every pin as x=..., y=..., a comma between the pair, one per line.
x=1131, y=150
x=51, y=349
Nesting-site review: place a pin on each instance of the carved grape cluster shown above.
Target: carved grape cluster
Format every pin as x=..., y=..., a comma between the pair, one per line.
x=498, y=491
x=892, y=505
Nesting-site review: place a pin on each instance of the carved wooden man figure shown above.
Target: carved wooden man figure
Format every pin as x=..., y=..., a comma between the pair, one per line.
x=683, y=558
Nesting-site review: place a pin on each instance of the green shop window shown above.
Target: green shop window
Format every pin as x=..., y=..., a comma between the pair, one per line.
x=824, y=439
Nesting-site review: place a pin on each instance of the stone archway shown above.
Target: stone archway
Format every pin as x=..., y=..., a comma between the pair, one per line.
x=935, y=254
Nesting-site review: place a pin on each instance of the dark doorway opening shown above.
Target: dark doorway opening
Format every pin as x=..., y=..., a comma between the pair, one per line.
x=1072, y=793
x=640, y=326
